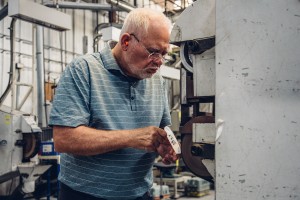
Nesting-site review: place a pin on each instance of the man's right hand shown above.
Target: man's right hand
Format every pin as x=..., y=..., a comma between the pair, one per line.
x=152, y=138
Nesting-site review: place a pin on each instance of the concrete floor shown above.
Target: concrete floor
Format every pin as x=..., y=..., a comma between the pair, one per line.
x=210, y=196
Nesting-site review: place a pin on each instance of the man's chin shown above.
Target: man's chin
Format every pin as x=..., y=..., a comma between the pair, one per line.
x=149, y=75
x=146, y=74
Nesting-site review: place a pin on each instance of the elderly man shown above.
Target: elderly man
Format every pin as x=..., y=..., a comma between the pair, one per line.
x=109, y=112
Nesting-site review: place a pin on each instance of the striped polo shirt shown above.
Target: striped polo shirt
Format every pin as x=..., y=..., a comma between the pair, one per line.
x=93, y=91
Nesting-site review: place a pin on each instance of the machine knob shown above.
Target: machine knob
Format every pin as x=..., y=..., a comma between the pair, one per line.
x=3, y=142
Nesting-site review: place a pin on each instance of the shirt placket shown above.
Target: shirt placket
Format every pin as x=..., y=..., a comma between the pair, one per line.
x=133, y=96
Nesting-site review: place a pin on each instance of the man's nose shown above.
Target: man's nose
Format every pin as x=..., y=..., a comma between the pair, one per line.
x=158, y=61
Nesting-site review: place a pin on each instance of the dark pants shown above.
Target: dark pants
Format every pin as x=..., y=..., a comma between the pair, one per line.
x=67, y=193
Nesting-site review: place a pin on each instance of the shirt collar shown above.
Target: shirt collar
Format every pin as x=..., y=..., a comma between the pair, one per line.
x=108, y=59
x=110, y=62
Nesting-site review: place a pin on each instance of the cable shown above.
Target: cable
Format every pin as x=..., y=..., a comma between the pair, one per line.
x=10, y=80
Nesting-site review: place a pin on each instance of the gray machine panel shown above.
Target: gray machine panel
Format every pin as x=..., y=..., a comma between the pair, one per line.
x=258, y=98
x=10, y=155
x=189, y=25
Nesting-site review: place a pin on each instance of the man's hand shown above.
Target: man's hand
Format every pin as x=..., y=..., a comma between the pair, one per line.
x=167, y=153
x=155, y=139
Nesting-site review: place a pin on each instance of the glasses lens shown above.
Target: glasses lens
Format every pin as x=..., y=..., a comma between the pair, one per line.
x=156, y=56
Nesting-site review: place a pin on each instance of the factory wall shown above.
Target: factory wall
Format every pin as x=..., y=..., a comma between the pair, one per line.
x=59, y=49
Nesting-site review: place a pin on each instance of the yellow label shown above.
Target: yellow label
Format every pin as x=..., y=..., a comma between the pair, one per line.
x=7, y=119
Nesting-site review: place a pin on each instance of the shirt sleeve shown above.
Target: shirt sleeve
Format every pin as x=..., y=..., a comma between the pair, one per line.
x=166, y=118
x=72, y=96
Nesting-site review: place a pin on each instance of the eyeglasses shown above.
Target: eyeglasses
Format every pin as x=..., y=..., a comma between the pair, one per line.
x=152, y=55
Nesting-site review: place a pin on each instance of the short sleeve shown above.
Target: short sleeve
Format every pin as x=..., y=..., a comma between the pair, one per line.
x=72, y=96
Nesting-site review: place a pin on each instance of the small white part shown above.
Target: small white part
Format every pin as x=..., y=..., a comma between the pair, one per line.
x=219, y=126
x=172, y=139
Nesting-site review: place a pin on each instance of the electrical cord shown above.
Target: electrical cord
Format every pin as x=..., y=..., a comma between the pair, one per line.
x=10, y=80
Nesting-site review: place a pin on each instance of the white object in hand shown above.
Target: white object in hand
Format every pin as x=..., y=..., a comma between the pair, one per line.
x=172, y=139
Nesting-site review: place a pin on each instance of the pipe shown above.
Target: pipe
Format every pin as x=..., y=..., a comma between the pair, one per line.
x=98, y=36
x=121, y=5
x=40, y=76
x=84, y=6
x=33, y=72
x=105, y=25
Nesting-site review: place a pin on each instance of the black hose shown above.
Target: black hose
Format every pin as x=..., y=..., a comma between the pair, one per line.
x=10, y=80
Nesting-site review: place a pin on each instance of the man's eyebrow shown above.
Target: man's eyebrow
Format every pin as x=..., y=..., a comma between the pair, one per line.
x=153, y=49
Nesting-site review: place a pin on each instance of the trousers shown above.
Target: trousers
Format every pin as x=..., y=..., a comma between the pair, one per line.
x=67, y=193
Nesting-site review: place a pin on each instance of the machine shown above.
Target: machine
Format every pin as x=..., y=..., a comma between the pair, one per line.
x=197, y=52
x=240, y=91
x=21, y=132
x=20, y=139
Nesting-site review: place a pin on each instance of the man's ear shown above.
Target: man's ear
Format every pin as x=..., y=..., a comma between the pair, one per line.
x=125, y=41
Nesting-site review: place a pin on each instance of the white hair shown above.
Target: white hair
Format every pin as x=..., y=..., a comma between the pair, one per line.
x=138, y=20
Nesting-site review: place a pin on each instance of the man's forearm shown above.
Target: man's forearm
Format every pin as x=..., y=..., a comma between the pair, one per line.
x=84, y=140
x=87, y=141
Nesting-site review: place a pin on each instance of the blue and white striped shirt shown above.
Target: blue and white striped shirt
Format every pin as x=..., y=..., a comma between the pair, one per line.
x=93, y=91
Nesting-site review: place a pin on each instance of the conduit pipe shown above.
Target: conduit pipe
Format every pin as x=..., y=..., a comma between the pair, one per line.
x=40, y=76
x=84, y=6
x=121, y=5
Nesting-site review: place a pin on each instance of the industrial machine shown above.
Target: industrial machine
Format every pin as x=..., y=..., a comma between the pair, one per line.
x=21, y=132
x=196, y=187
x=240, y=91
x=19, y=145
x=197, y=52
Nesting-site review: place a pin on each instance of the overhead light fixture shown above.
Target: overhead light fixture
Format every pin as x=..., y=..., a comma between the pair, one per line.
x=39, y=14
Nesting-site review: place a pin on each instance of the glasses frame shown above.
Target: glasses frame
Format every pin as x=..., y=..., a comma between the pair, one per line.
x=152, y=55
